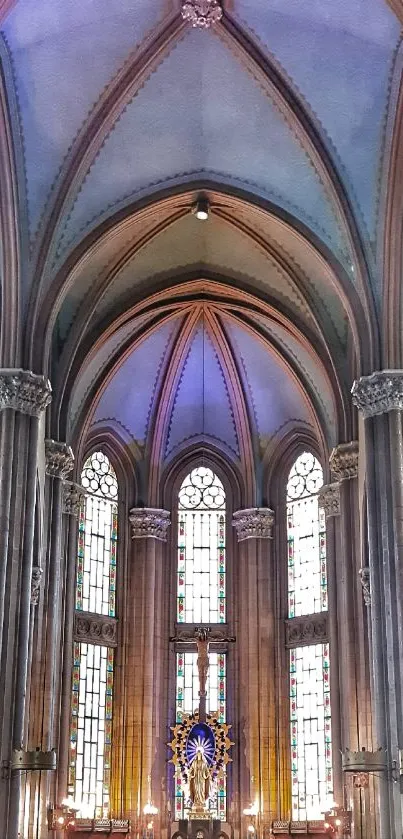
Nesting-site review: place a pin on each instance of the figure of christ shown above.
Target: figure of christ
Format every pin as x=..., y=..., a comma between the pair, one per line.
x=199, y=778
x=202, y=658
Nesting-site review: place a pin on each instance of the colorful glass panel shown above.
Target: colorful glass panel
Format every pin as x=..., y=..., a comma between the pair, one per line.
x=97, y=543
x=311, y=748
x=91, y=728
x=306, y=537
x=201, y=548
x=187, y=700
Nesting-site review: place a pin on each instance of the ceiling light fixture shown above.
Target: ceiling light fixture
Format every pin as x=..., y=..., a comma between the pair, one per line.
x=201, y=209
x=202, y=13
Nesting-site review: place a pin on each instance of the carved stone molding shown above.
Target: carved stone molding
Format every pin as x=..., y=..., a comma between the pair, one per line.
x=329, y=499
x=344, y=461
x=379, y=393
x=149, y=523
x=202, y=13
x=72, y=497
x=24, y=391
x=188, y=634
x=366, y=584
x=309, y=629
x=95, y=629
x=36, y=584
x=59, y=459
x=254, y=523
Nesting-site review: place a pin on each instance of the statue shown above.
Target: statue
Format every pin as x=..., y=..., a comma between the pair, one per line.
x=202, y=657
x=199, y=782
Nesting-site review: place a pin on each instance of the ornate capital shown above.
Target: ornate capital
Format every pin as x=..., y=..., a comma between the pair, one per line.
x=95, y=629
x=329, y=499
x=24, y=391
x=59, y=459
x=149, y=523
x=344, y=461
x=379, y=393
x=366, y=584
x=202, y=13
x=255, y=523
x=309, y=629
x=36, y=584
x=73, y=495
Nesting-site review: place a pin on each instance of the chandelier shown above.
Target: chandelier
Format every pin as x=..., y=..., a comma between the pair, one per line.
x=202, y=13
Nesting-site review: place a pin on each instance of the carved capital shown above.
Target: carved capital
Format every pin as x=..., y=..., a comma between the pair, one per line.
x=366, y=584
x=379, y=393
x=95, y=629
x=59, y=459
x=24, y=391
x=254, y=523
x=329, y=499
x=309, y=629
x=36, y=584
x=73, y=495
x=149, y=523
x=344, y=461
x=202, y=13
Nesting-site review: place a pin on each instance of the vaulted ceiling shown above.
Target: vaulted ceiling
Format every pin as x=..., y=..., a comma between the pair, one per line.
x=165, y=328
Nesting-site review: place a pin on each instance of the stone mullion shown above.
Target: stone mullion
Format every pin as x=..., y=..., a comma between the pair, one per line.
x=6, y=459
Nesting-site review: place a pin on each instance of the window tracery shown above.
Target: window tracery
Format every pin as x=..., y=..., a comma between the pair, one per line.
x=201, y=548
x=92, y=678
x=309, y=674
x=201, y=590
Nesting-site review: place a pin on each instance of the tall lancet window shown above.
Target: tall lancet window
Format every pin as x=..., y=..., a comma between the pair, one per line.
x=310, y=723
x=201, y=548
x=92, y=683
x=201, y=601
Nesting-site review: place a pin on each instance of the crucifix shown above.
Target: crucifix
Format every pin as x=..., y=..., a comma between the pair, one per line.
x=202, y=636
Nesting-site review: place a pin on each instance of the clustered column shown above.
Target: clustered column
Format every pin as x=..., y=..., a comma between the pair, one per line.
x=256, y=633
x=145, y=662
x=350, y=684
x=24, y=397
x=379, y=397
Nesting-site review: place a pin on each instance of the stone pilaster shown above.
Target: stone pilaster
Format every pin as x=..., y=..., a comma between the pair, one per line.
x=24, y=397
x=146, y=643
x=379, y=398
x=257, y=644
x=329, y=501
x=354, y=672
x=73, y=497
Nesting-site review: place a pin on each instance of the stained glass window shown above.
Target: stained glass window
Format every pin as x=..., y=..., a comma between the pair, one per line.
x=306, y=536
x=92, y=683
x=311, y=749
x=91, y=728
x=187, y=700
x=96, y=564
x=201, y=548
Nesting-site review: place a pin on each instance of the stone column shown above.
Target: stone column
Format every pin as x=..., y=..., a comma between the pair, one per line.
x=73, y=496
x=257, y=642
x=24, y=397
x=353, y=659
x=145, y=663
x=379, y=397
x=329, y=500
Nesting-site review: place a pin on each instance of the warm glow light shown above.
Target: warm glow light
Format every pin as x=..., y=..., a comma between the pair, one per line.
x=338, y=822
x=201, y=209
x=327, y=825
x=150, y=826
x=60, y=820
x=149, y=809
x=251, y=828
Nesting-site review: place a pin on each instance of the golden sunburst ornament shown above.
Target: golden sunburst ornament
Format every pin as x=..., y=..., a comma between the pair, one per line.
x=211, y=737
